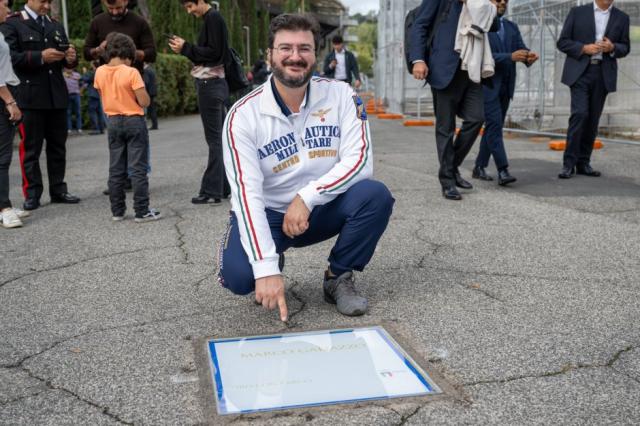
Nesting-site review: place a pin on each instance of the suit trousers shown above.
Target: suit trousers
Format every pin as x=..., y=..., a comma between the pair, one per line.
x=463, y=98
x=588, y=95
x=38, y=125
x=492, y=142
x=358, y=216
x=211, y=96
x=7, y=131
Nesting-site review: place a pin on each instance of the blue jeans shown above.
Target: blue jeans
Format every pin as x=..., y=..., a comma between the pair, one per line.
x=128, y=145
x=74, y=108
x=358, y=216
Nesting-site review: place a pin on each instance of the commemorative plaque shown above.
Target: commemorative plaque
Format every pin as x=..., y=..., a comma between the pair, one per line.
x=285, y=371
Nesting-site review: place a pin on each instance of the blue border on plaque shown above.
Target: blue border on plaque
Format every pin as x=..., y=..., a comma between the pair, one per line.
x=422, y=376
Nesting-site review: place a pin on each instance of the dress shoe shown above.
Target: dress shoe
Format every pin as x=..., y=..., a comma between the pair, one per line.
x=461, y=183
x=587, y=170
x=205, y=199
x=31, y=204
x=504, y=178
x=65, y=198
x=480, y=173
x=451, y=193
x=566, y=173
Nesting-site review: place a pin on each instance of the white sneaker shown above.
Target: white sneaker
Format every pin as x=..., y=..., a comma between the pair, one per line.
x=117, y=218
x=10, y=219
x=21, y=213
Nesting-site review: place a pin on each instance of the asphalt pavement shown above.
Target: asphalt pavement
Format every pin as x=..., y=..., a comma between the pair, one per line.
x=524, y=298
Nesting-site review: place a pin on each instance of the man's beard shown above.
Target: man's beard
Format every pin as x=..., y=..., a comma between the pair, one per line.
x=293, y=82
x=119, y=17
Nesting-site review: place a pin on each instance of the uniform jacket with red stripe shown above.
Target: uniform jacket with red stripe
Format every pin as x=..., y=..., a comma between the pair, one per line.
x=270, y=158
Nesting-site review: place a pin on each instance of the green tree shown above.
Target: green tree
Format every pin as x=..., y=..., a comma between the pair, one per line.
x=254, y=30
x=366, y=45
x=225, y=11
x=236, y=33
x=77, y=12
x=291, y=6
x=265, y=20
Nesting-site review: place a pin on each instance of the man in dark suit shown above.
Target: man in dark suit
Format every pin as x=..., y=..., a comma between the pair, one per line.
x=453, y=92
x=39, y=51
x=341, y=64
x=593, y=37
x=508, y=49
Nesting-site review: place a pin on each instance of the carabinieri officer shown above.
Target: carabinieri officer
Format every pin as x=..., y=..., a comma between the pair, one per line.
x=39, y=51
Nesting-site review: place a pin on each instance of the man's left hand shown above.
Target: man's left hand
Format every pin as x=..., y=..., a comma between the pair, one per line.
x=70, y=54
x=176, y=43
x=296, y=219
x=357, y=84
x=606, y=45
x=532, y=57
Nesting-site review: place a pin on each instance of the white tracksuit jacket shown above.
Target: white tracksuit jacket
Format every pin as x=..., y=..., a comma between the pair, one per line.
x=317, y=153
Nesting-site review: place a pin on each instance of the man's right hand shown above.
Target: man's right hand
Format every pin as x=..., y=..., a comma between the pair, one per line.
x=52, y=55
x=333, y=64
x=270, y=293
x=591, y=49
x=420, y=70
x=520, y=55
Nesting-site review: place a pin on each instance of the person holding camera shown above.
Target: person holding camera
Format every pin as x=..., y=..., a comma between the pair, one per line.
x=40, y=50
x=208, y=56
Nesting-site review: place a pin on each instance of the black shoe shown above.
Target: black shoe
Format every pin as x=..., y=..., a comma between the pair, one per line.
x=31, y=204
x=204, y=199
x=480, y=173
x=566, y=173
x=65, y=198
x=504, y=178
x=461, y=183
x=153, y=128
x=451, y=193
x=587, y=170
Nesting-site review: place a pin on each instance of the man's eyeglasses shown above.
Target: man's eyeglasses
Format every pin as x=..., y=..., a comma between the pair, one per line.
x=287, y=49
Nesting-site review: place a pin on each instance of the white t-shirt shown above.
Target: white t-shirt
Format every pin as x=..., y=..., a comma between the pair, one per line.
x=341, y=67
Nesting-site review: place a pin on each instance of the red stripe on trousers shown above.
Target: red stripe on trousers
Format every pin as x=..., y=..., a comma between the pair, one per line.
x=21, y=151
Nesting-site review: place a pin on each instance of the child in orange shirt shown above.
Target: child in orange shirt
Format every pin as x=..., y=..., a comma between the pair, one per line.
x=123, y=97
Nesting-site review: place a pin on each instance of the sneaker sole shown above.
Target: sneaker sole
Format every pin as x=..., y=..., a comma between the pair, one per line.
x=12, y=225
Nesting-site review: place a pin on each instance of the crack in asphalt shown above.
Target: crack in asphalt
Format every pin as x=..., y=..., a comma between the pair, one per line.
x=89, y=259
x=20, y=398
x=19, y=364
x=404, y=418
x=181, y=236
x=483, y=291
x=564, y=370
x=103, y=409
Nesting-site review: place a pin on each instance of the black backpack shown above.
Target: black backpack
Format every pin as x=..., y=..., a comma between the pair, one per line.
x=233, y=72
x=443, y=11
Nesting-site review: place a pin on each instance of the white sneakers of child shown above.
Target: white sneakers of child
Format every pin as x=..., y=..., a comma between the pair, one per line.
x=11, y=217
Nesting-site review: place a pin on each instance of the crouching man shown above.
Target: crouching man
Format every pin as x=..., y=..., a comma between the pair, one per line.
x=297, y=153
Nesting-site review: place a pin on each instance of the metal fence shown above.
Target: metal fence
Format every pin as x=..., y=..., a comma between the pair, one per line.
x=541, y=102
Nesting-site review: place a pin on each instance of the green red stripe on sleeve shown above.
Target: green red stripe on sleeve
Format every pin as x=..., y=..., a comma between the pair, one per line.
x=237, y=170
x=353, y=172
